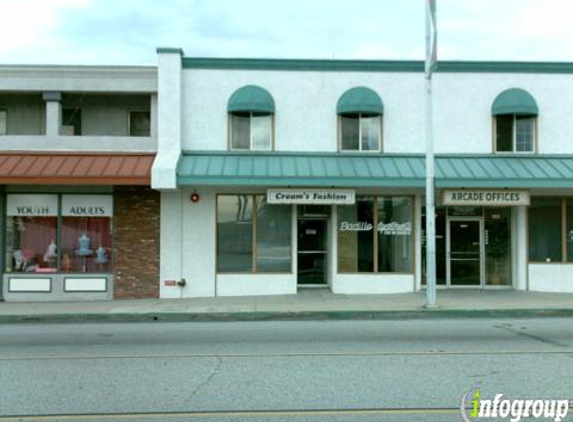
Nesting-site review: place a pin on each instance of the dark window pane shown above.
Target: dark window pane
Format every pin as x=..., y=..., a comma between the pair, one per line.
x=235, y=233
x=3, y=122
x=71, y=121
x=273, y=237
x=356, y=236
x=350, y=132
x=570, y=230
x=504, y=133
x=545, y=230
x=440, y=229
x=498, y=245
x=139, y=123
x=240, y=131
x=394, y=234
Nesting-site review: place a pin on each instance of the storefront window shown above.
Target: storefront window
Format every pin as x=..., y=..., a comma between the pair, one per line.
x=394, y=234
x=355, y=237
x=86, y=244
x=375, y=235
x=440, y=231
x=243, y=248
x=273, y=237
x=545, y=230
x=569, y=232
x=32, y=236
x=498, y=245
x=235, y=233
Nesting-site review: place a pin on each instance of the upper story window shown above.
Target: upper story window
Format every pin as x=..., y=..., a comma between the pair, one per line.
x=139, y=123
x=71, y=121
x=251, y=110
x=3, y=122
x=515, y=118
x=360, y=120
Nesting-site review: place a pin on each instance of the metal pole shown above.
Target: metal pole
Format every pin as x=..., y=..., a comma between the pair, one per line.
x=430, y=175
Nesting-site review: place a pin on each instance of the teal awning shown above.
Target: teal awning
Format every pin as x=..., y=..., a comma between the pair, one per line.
x=364, y=170
x=251, y=98
x=360, y=100
x=514, y=101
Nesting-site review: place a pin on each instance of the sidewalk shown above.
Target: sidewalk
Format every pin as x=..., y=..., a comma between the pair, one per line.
x=306, y=305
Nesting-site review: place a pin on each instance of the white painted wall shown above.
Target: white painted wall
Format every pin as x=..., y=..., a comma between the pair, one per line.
x=372, y=283
x=551, y=278
x=169, y=112
x=256, y=284
x=305, y=119
x=188, y=243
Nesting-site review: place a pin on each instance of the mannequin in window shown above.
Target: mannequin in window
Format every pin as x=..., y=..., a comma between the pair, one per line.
x=51, y=255
x=100, y=255
x=84, y=242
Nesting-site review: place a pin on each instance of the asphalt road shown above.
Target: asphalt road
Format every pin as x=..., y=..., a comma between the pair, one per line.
x=278, y=371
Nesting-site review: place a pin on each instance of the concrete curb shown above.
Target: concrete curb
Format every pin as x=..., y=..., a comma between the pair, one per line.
x=287, y=316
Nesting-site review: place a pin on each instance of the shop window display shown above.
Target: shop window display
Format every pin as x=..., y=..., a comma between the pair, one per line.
x=59, y=233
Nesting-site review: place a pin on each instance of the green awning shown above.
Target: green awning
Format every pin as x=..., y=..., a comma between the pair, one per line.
x=514, y=101
x=251, y=98
x=365, y=170
x=359, y=100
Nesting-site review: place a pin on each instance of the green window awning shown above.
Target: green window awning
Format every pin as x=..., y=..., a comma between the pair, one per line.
x=251, y=98
x=514, y=101
x=372, y=170
x=360, y=100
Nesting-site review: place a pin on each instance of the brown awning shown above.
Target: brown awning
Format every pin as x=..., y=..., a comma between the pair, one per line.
x=75, y=169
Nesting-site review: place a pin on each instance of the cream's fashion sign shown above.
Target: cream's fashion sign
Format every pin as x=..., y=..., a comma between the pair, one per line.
x=482, y=197
x=311, y=196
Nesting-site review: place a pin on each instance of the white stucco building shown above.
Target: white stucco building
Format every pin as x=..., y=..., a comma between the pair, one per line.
x=242, y=133
x=271, y=176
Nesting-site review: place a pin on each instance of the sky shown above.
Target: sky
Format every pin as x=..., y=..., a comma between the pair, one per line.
x=127, y=32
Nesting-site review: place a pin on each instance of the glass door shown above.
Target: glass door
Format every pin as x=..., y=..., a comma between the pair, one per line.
x=312, y=249
x=465, y=252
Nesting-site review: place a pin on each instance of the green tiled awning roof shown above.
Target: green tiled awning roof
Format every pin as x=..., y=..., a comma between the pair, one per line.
x=251, y=98
x=360, y=100
x=376, y=170
x=514, y=101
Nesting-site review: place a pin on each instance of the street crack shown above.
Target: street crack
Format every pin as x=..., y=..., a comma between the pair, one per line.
x=209, y=377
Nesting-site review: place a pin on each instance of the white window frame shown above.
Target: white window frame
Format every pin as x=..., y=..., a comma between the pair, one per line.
x=514, y=136
x=271, y=140
x=379, y=149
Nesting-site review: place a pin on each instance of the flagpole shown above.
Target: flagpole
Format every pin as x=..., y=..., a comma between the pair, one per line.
x=431, y=54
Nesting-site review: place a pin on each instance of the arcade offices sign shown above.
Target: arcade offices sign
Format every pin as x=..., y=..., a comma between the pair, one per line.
x=485, y=197
x=311, y=196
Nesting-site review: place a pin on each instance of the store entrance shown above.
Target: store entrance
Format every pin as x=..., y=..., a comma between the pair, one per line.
x=473, y=247
x=465, y=252
x=312, y=252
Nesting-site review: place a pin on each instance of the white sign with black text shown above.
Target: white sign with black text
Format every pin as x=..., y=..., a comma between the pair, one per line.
x=311, y=196
x=485, y=197
x=87, y=205
x=28, y=205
